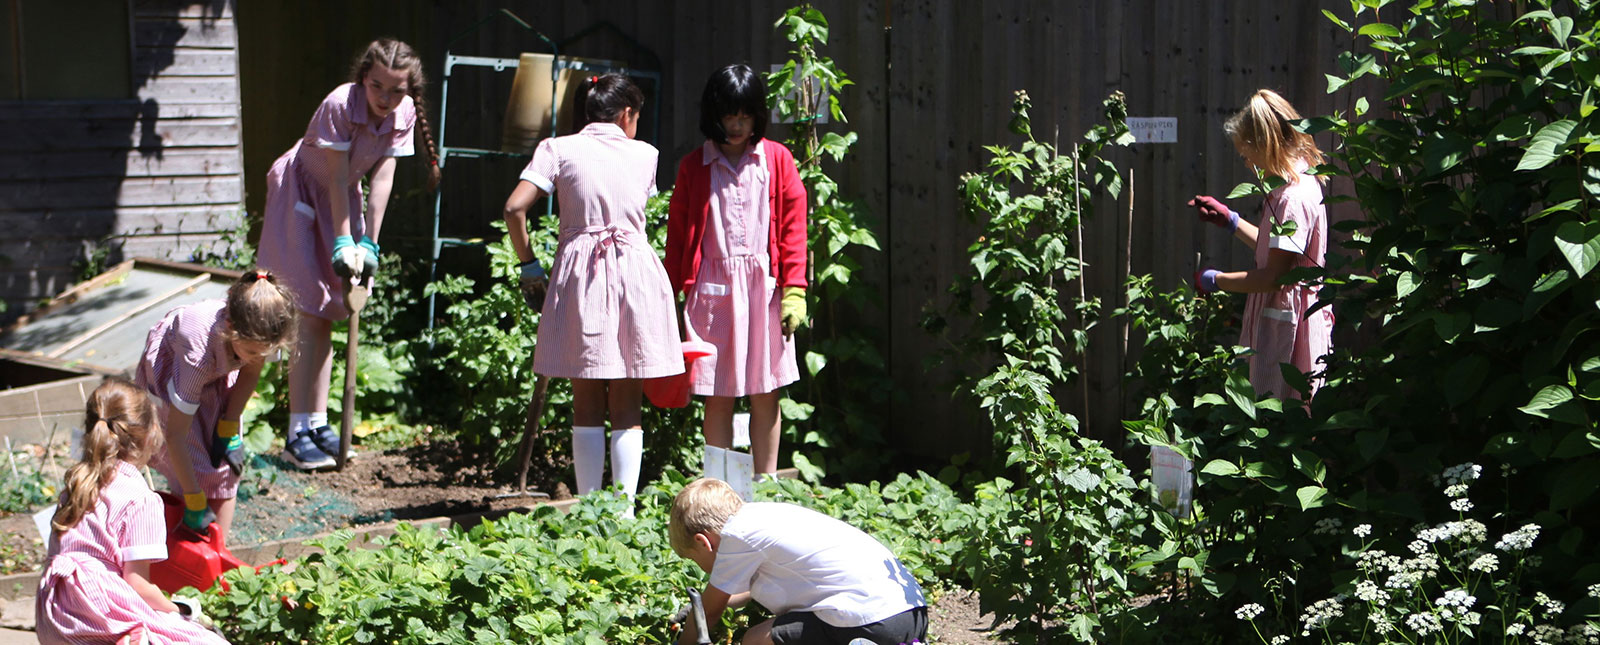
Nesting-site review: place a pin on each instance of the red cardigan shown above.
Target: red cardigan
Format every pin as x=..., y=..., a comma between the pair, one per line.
x=691, y=204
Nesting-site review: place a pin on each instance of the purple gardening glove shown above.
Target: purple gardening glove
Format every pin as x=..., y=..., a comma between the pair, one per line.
x=1205, y=281
x=1215, y=212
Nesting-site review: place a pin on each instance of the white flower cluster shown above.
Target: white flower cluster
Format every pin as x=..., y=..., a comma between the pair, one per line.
x=1462, y=473
x=1546, y=635
x=1552, y=607
x=1468, y=531
x=1516, y=629
x=1279, y=639
x=1424, y=624
x=1485, y=563
x=1328, y=526
x=1249, y=612
x=1585, y=633
x=1320, y=613
x=1461, y=505
x=1380, y=623
x=1456, y=600
x=1369, y=592
x=1455, y=490
x=1375, y=561
x=1418, y=547
x=1362, y=530
x=1520, y=539
x=1594, y=590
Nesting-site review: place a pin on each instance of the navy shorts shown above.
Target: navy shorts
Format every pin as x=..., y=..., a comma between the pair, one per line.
x=804, y=628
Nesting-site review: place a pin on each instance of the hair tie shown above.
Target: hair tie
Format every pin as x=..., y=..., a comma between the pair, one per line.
x=262, y=275
x=594, y=80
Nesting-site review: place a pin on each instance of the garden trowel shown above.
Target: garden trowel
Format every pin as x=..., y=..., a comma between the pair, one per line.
x=355, y=298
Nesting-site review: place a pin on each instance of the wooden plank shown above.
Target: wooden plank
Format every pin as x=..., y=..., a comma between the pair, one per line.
x=98, y=223
x=126, y=109
x=195, y=33
x=192, y=9
x=89, y=335
x=83, y=134
x=174, y=162
x=107, y=193
x=70, y=296
x=163, y=61
x=191, y=89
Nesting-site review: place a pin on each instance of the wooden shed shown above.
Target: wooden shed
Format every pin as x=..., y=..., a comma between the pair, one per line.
x=119, y=137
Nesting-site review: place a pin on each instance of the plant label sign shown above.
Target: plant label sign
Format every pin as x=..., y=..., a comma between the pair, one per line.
x=1153, y=129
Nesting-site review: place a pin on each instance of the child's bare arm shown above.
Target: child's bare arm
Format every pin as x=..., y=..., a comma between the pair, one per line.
x=138, y=576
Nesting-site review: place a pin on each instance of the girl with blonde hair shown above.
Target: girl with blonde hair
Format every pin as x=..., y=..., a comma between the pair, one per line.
x=1280, y=324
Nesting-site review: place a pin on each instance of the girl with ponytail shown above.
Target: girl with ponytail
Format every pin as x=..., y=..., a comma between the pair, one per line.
x=108, y=528
x=314, y=233
x=200, y=366
x=1281, y=322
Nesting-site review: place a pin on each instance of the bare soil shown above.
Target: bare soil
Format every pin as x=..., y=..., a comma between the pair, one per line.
x=954, y=619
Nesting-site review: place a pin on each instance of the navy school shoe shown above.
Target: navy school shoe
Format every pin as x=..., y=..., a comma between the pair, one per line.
x=327, y=440
x=302, y=453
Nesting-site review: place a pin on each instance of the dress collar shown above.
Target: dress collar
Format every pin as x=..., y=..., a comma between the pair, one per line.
x=710, y=153
x=360, y=115
x=603, y=129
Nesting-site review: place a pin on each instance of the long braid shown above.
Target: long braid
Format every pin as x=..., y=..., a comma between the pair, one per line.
x=434, y=174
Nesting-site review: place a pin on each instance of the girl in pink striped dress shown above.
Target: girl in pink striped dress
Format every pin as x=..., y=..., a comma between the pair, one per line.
x=1280, y=325
x=607, y=321
x=200, y=367
x=109, y=527
x=313, y=232
x=736, y=249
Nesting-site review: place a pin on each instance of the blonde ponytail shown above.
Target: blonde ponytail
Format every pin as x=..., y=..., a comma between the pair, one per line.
x=1263, y=131
x=122, y=426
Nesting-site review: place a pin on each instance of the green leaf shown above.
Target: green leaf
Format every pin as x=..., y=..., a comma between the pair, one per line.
x=1580, y=243
x=1547, y=399
x=1335, y=20
x=1406, y=283
x=1379, y=30
x=1242, y=394
x=1245, y=189
x=815, y=362
x=1547, y=145
x=1442, y=152
x=1310, y=496
x=1561, y=28
x=1220, y=468
x=1570, y=205
x=1515, y=127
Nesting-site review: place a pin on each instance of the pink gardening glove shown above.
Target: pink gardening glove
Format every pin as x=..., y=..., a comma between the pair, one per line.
x=1215, y=212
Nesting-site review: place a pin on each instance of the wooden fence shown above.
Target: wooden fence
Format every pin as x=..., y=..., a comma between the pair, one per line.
x=934, y=83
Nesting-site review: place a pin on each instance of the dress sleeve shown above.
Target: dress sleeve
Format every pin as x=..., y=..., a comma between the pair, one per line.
x=192, y=363
x=1292, y=209
x=791, y=221
x=678, y=207
x=142, y=534
x=331, y=127
x=545, y=167
x=405, y=130
x=735, y=566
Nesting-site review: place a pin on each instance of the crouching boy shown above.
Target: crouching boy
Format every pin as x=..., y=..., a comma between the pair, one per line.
x=826, y=582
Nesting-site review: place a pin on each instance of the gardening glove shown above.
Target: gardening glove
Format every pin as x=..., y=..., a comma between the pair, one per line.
x=1205, y=281
x=189, y=608
x=370, y=266
x=197, y=515
x=228, y=445
x=793, y=309
x=532, y=282
x=1215, y=212
x=348, y=258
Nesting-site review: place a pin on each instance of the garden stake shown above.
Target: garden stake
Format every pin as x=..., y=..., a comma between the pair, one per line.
x=525, y=449
x=1083, y=276
x=355, y=298
x=702, y=634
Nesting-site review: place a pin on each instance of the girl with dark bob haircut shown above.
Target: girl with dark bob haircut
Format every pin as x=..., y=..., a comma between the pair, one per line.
x=735, y=89
x=736, y=250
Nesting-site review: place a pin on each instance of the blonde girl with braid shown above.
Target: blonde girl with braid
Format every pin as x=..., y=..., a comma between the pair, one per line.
x=315, y=234
x=108, y=528
x=200, y=366
x=1282, y=323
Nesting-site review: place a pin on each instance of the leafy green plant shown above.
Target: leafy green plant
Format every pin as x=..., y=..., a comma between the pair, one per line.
x=849, y=382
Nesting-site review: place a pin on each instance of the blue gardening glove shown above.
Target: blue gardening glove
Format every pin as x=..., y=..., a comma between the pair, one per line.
x=348, y=258
x=197, y=515
x=1215, y=212
x=370, y=267
x=532, y=283
x=1205, y=281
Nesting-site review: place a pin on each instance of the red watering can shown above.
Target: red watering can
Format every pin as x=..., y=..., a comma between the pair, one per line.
x=673, y=391
x=193, y=560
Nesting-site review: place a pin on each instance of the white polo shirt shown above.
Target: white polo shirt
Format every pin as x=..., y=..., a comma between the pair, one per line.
x=792, y=558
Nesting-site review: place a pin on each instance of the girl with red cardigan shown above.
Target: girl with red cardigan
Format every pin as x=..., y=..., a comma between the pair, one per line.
x=736, y=250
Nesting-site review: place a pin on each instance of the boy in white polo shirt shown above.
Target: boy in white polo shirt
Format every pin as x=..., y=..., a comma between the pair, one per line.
x=827, y=582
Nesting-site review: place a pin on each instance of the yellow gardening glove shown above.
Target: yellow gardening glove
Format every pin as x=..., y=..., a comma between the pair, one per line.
x=793, y=309
x=227, y=429
x=197, y=514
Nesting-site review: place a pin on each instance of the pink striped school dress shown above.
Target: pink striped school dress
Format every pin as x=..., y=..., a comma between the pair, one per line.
x=188, y=364
x=608, y=311
x=735, y=303
x=82, y=596
x=297, y=225
x=1276, y=325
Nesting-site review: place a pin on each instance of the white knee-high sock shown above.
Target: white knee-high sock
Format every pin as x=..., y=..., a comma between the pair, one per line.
x=712, y=465
x=627, y=451
x=588, y=456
